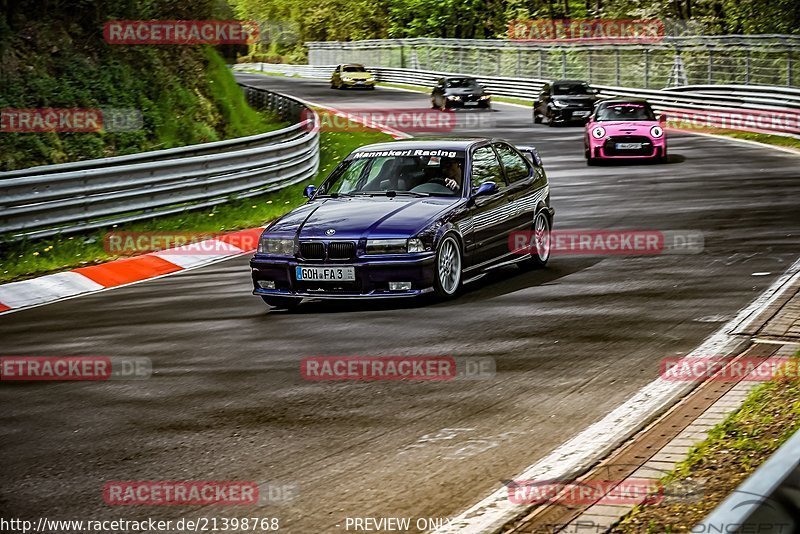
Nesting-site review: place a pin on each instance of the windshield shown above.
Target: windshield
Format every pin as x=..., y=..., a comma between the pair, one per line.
x=571, y=89
x=462, y=82
x=353, y=68
x=625, y=112
x=420, y=173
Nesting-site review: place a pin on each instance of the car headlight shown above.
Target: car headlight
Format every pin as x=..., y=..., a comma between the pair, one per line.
x=453, y=97
x=559, y=104
x=598, y=132
x=485, y=97
x=347, y=79
x=394, y=246
x=274, y=245
x=657, y=131
x=416, y=245
x=370, y=79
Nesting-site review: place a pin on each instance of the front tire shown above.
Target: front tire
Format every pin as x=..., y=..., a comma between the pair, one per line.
x=540, y=249
x=283, y=303
x=448, y=267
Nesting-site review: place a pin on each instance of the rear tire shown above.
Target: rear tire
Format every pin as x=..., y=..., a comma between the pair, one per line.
x=283, y=303
x=537, y=119
x=448, y=267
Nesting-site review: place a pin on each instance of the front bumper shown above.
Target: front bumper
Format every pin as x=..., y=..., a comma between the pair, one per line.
x=372, y=277
x=358, y=83
x=651, y=148
x=571, y=114
x=474, y=103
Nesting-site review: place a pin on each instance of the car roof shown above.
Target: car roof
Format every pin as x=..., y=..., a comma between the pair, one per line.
x=351, y=65
x=445, y=143
x=459, y=77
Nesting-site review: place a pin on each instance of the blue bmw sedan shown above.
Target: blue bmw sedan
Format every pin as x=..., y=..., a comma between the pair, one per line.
x=406, y=218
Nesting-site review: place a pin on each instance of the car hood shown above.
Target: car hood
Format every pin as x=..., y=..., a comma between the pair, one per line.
x=357, y=217
x=626, y=127
x=357, y=75
x=576, y=100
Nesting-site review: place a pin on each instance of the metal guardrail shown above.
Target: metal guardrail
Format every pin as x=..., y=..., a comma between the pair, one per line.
x=767, y=501
x=774, y=110
x=48, y=200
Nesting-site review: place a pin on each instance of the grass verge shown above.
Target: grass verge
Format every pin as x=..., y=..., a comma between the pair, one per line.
x=733, y=450
x=26, y=259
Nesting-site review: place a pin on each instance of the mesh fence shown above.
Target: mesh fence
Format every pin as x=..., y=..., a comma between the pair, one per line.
x=767, y=60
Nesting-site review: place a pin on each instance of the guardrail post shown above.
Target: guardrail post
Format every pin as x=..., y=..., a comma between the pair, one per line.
x=589, y=61
x=460, y=59
x=647, y=68
x=541, y=61
x=563, y=63
x=616, y=68
x=789, y=68
x=710, y=65
x=519, y=61
x=747, y=67
x=499, y=61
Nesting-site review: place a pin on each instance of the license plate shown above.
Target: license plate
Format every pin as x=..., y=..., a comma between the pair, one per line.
x=581, y=113
x=325, y=274
x=629, y=146
x=470, y=103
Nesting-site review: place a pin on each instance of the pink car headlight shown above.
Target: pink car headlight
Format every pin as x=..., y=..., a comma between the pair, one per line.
x=656, y=131
x=598, y=132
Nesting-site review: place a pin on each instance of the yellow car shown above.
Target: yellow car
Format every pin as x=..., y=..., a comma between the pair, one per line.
x=352, y=75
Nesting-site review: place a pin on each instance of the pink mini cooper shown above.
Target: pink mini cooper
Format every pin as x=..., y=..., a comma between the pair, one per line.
x=624, y=129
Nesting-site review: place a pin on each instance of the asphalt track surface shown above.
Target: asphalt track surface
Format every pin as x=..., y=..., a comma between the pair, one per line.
x=227, y=401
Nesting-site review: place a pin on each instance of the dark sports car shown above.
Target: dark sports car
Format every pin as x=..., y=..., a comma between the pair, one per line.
x=459, y=92
x=406, y=218
x=563, y=102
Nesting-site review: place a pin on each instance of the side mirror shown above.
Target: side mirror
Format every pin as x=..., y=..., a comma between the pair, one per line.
x=485, y=189
x=662, y=117
x=309, y=191
x=595, y=91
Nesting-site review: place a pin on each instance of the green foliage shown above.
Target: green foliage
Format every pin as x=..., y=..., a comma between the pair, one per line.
x=54, y=55
x=322, y=20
